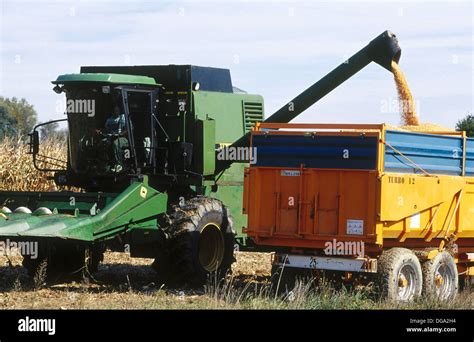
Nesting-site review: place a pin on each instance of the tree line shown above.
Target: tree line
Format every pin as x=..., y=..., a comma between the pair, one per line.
x=18, y=118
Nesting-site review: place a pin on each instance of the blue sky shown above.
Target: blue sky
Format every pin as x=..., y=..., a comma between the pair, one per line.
x=273, y=48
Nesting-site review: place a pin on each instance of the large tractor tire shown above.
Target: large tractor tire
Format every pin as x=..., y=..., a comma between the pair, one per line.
x=440, y=277
x=200, y=244
x=64, y=260
x=400, y=276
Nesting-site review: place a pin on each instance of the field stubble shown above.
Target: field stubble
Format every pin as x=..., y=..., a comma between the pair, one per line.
x=129, y=283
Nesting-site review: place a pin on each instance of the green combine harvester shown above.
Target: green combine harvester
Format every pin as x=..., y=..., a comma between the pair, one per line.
x=144, y=145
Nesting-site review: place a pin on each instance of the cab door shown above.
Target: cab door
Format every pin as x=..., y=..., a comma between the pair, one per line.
x=139, y=108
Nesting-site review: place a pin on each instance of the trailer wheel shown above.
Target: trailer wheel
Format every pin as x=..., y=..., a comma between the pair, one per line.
x=201, y=243
x=440, y=277
x=400, y=275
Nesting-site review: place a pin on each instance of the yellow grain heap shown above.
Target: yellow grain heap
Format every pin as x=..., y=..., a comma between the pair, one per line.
x=422, y=127
x=426, y=127
x=405, y=98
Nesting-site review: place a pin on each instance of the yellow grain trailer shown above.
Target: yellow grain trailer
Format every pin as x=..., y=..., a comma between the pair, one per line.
x=364, y=198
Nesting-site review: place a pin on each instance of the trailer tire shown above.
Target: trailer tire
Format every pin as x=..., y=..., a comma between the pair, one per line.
x=201, y=242
x=440, y=277
x=400, y=276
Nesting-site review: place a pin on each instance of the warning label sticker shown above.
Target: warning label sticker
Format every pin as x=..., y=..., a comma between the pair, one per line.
x=355, y=227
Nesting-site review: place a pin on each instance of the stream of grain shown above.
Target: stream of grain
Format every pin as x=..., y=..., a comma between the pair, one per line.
x=407, y=103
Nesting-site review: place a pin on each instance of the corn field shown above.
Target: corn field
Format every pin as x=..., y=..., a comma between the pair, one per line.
x=17, y=172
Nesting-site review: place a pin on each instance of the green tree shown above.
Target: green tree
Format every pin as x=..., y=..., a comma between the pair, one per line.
x=49, y=130
x=7, y=123
x=53, y=130
x=466, y=124
x=20, y=112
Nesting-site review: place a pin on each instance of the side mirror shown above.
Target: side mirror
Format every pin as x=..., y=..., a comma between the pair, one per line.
x=34, y=142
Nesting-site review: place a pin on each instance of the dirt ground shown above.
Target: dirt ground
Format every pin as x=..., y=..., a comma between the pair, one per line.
x=122, y=282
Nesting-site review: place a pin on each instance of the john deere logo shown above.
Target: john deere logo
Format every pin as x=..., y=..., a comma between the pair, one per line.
x=143, y=192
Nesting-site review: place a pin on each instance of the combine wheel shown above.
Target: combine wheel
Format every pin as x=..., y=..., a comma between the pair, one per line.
x=400, y=275
x=440, y=277
x=201, y=242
